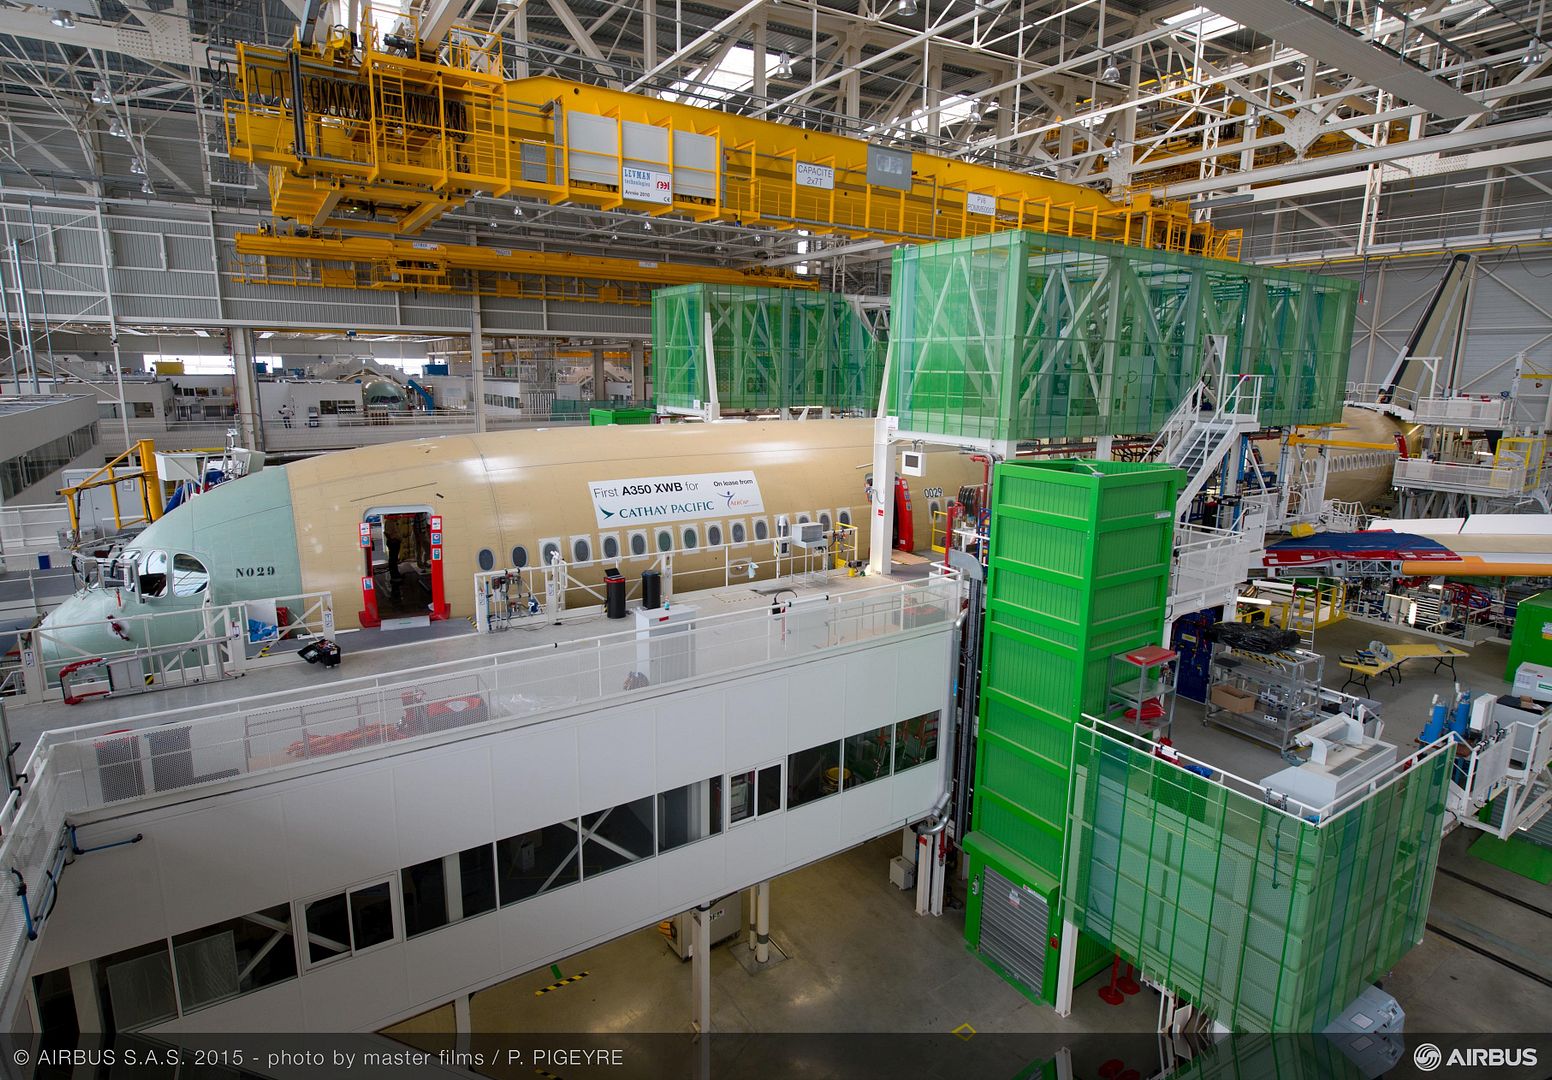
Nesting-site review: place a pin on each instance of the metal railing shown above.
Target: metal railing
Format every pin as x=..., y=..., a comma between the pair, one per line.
x=1208, y=566
x=101, y=765
x=1461, y=477
x=31, y=529
x=165, y=649
x=1467, y=411
x=502, y=597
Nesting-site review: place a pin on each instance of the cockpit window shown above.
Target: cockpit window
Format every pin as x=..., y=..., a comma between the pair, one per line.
x=188, y=576
x=153, y=574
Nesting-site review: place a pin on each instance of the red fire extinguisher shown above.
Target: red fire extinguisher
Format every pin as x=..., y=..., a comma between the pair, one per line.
x=905, y=527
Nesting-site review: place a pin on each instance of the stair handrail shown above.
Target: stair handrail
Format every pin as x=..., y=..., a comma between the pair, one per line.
x=1178, y=422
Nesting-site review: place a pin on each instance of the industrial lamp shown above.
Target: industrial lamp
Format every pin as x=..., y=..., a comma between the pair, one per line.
x=101, y=95
x=1111, y=72
x=784, y=67
x=906, y=8
x=62, y=19
x=116, y=129
x=147, y=189
x=137, y=167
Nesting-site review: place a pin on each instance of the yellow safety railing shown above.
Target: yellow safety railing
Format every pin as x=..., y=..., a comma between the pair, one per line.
x=137, y=463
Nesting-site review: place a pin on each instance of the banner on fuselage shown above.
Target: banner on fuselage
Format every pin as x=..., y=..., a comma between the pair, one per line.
x=648, y=500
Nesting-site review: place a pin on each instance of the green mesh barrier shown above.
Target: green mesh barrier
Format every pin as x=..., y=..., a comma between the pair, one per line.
x=772, y=349
x=1023, y=335
x=1265, y=921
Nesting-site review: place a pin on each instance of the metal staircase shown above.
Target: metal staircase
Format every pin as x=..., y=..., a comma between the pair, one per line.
x=1204, y=428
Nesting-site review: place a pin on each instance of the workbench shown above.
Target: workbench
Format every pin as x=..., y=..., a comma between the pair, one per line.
x=1362, y=672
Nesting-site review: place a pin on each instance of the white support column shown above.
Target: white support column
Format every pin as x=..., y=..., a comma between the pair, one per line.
x=762, y=924
x=638, y=367
x=250, y=423
x=520, y=43
x=753, y=899
x=477, y=363
x=1066, y=969
x=1102, y=446
x=700, y=970
x=88, y=1013
x=462, y=1025
x=712, y=405
x=648, y=34
x=925, y=842
x=881, y=513
x=760, y=86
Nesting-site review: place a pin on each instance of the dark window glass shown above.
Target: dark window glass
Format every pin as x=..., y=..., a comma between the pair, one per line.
x=845, y=517
x=328, y=929
x=638, y=543
x=536, y=862
x=487, y=559
x=234, y=957
x=371, y=915
x=548, y=551
x=56, y=1004
x=714, y=536
x=581, y=551
x=665, y=540
x=761, y=531
x=769, y=789
x=824, y=520
x=134, y=987
x=865, y=757
x=738, y=532
x=690, y=813
x=519, y=556
x=740, y=797
x=691, y=538
x=611, y=547
x=477, y=871
x=425, y=897
x=622, y=834
x=916, y=741
x=813, y=774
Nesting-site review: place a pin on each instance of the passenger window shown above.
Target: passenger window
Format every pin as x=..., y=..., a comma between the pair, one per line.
x=714, y=536
x=549, y=550
x=581, y=550
x=611, y=546
x=188, y=576
x=638, y=543
x=519, y=556
x=153, y=574
x=691, y=538
x=761, y=530
x=665, y=540
x=738, y=533
x=486, y=558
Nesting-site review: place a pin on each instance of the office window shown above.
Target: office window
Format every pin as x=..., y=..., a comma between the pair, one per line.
x=690, y=813
x=425, y=897
x=865, y=756
x=234, y=957
x=477, y=879
x=916, y=741
x=350, y=922
x=754, y=793
x=134, y=987
x=144, y=410
x=813, y=773
x=536, y=862
x=619, y=835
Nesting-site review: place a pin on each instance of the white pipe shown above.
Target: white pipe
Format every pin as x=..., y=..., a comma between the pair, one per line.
x=762, y=947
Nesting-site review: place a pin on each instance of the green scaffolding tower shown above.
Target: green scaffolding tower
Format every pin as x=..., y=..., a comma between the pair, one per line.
x=1078, y=571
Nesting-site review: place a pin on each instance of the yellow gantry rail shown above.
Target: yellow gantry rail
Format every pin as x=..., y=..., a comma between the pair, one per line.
x=370, y=262
x=388, y=141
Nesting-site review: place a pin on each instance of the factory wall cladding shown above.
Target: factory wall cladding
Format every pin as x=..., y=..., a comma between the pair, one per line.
x=1263, y=920
x=314, y=835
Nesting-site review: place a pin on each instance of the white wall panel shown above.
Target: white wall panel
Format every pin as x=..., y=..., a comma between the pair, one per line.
x=540, y=926
x=866, y=811
x=110, y=900
x=443, y=802
x=619, y=757
x=756, y=721
x=536, y=776
x=692, y=874
x=817, y=703
x=349, y=995
x=871, y=690
x=923, y=682
x=229, y=856
x=621, y=899
x=441, y=963
x=340, y=830
x=756, y=850
x=813, y=829
x=689, y=738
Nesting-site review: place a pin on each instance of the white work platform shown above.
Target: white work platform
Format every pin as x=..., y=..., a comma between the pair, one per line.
x=286, y=716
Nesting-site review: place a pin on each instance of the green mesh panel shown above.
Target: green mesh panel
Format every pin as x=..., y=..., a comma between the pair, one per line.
x=1264, y=921
x=772, y=349
x=1023, y=335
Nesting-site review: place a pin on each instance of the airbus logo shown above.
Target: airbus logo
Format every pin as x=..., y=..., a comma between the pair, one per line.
x=1428, y=1057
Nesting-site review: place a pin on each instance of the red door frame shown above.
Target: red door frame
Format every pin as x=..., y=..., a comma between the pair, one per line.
x=440, y=609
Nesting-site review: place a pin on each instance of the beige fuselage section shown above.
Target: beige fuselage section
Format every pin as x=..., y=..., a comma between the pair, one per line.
x=526, y=489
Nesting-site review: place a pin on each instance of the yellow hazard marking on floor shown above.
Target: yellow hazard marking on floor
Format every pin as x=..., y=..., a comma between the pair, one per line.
x=964, y=1031
x=567, y=981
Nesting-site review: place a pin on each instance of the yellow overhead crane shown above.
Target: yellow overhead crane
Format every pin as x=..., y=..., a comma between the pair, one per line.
x=375, y=140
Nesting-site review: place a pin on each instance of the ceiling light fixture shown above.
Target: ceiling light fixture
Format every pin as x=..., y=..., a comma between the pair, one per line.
x=147, y=189
x=1111, y=72
x=62, y=19
x=646, y=226
x=906, y=8
x=101, y=94
x=975, y=112
x=137, y=167
x=517, y=211
x=1534, y=55
x=784, y=67
x=116, y=129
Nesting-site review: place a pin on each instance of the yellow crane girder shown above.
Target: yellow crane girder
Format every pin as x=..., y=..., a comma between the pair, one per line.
x=388, y=263
x=377, y=141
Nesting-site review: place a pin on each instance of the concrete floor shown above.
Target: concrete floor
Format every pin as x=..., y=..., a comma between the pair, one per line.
x=860, y=960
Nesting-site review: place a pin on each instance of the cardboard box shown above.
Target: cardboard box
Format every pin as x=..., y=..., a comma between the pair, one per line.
x=1234, y=700
x=902, y=874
